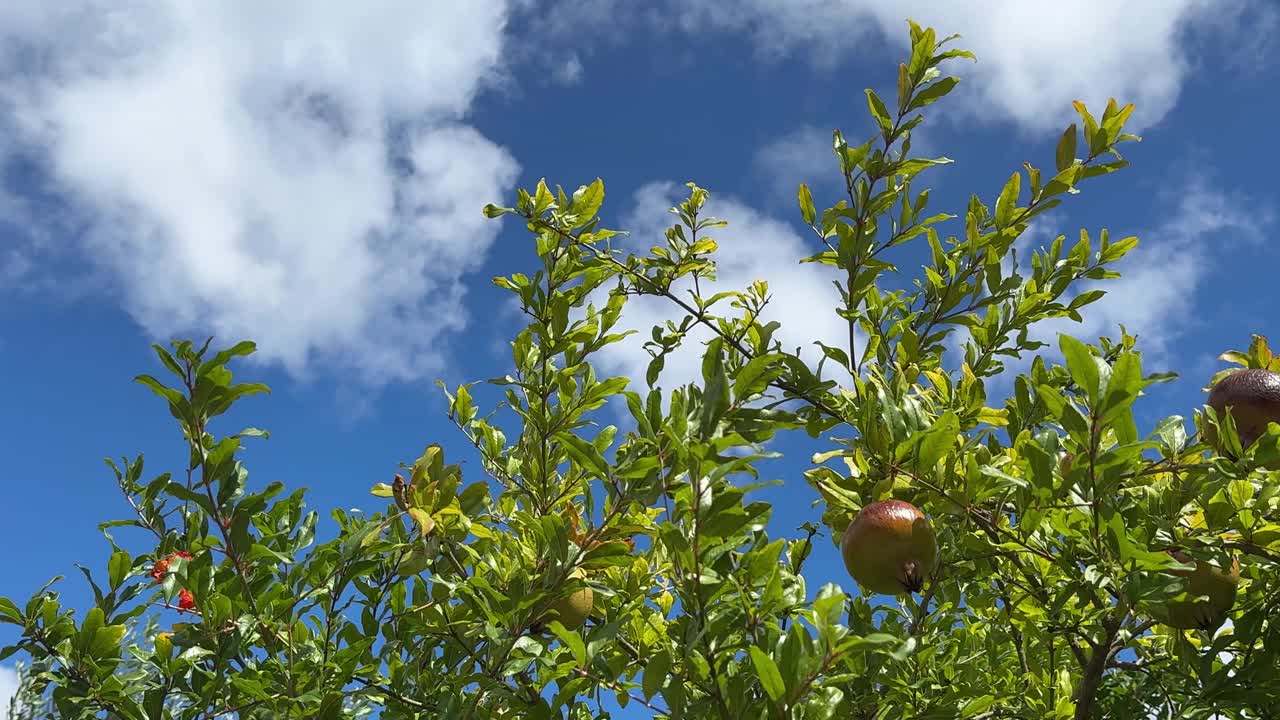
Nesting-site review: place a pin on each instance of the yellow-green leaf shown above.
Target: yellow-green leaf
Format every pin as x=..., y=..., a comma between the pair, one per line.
x=425, y=522
x=807, y=210
x=993, y=416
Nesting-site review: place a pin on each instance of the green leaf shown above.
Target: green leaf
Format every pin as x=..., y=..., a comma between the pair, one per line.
x=922, y=46
x=828, y=605
x=807, y=210
x=424, y=520
x=879, y=112
x=1122, y=387
x=872, y=640
x=167, y=359
x=93, y=622
x=715, y=398
x=756, y=375
x=655, y=673
x=1085, y=298
x=1103, y=168
x=1081, y=365
x=587, y=201
x=1260, y=352
x=1172, y=432
x=1090, y=125
x=977, y=705
x=613, y=552
x=106, y=641
x=364, y=536
x=906, y=649
x=933, y=93
x=240, y=349
x=1008, y=200
x=571, y=640
x=1240, y=492
x=118, y=567
x=937, y=440
x=9, y=611
x=1119, y=249
x=767, y=671
x=173, y=396
x=585, y=454
x=542, y=197
x=194, y=653
x=904, y=87
x=1066, y=152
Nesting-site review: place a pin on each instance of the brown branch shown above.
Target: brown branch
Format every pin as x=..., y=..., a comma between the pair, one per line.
x=1253, y=549
x=1087, y=690
x=618, y=688
x=388, y=692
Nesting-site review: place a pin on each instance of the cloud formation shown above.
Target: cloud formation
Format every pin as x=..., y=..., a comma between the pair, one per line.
x=305, y=174
x=8, y=688
x=1155, y=298
x=1156, y=295
x=1033, y=58
x=1161, y=283
x=298, y=173
x=803, y=155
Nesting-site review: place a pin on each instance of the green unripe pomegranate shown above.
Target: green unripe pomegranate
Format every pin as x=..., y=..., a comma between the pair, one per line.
x=572, y=609
x=1205, y=614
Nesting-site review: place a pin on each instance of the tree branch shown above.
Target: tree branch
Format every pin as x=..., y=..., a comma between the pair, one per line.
x=1087, y=691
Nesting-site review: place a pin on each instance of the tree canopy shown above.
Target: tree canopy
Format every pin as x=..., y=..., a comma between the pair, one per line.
x=587, y=564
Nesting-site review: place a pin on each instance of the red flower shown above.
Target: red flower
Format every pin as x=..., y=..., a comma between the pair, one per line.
x=186, y=601
x=161, y=568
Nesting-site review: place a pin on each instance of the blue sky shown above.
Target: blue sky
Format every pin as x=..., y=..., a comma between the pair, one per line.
x=313, y=180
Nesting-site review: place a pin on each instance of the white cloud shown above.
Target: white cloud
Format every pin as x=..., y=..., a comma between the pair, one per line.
x=803, y=155
x=304, y=174
x=570, y=71
x=752, y=247
x=555, y=36
x=1034, y=58
x=1253, y=26
x=1156, y=296
x=1159, y=289
x=298, y=173
x=8, y=688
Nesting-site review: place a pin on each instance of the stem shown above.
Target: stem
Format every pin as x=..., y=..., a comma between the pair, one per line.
x=922, y=610
x=1253, y=549
x=1087, y=691
x=854, y=364
x=1094, y=436
x=700, y=606
x=618, y=688
x=1052, y=675
x=1013, y=630
x=388, y=692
